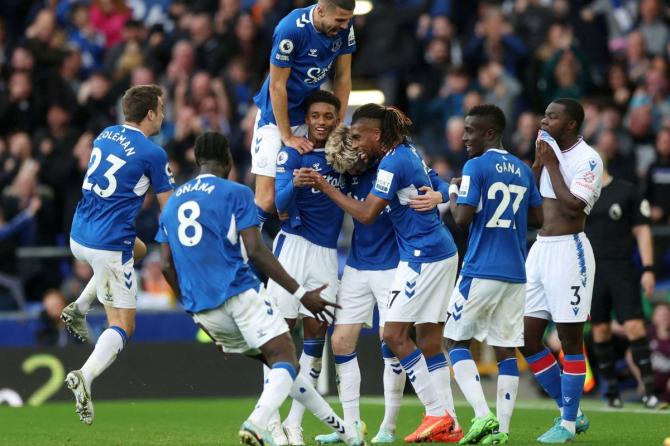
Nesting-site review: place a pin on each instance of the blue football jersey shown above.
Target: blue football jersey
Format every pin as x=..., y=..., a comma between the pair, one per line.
x=123, y=164
x=373, y=247
x=201, y=222
x=422, y=237
x=502, y=189
x=310, y=54
x=312, y=215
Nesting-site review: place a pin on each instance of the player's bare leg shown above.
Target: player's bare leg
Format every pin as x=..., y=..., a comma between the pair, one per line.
x=74, y=315
x=109, y=345
x=265, y=197
x=437, y=419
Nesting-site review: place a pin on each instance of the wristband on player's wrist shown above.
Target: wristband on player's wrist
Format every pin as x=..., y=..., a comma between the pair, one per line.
x=648, y=269
x=300, y=292
x=453, y=189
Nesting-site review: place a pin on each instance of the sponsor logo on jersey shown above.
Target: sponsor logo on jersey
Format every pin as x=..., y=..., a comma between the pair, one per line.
x=351, y=40
x=384, y=180
x=465, y=186
x=313, y=52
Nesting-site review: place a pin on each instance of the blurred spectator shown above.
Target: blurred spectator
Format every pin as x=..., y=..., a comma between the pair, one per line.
x=636, y=57
x=73, y=286
x=658, y=180
x=659, y=342
x=20, y=109
x=619, y=165
x=620, y=17
x=499, y=88
x=133, y=34
x=209, y=53
x=531, y=20
x=82, y=35
x=524, y=136
x=156, y=293
x=42, y=40
x=52, y=331
x=109, y=17
x=566, y=74
x=652, y=27
x=96, y=99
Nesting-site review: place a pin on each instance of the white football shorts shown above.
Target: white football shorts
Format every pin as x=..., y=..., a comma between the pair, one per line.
x=486, y=309
x=560, y=271
x=360, y=290
x=265, y=146
x=243, y=324
x=114, y=275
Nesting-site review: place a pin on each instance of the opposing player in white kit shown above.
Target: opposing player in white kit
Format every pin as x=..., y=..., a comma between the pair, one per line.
x=560, y=267
x=497, y=193
x=201, y=228
x=124, y=163
x=426, y=272
x=307, y=45
x=306, y=246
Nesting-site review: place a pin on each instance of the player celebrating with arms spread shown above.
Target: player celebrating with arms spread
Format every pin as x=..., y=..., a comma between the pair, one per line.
x=497, y=192
x=124, y=163
x=426, y=273
x=560, y=267
x=305, y=46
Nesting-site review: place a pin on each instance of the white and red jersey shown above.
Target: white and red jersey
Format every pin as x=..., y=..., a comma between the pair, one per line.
x=581, y=168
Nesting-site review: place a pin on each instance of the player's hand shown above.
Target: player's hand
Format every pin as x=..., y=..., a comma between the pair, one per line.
x=34, y=205
x=648, y=282
x=303, y=177
x=456, y=181
x=317, y=181
x=546, y=154
x=318, y=306
x=299, y=143
x=427, y=201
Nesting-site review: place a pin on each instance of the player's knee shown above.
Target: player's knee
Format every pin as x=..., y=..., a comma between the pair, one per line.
x=395, y=339
x=342, y=344
x=634, y=329
x=429, y=346
x=601, y=332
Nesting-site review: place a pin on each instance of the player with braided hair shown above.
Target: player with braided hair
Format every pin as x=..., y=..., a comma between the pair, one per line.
x=423, y=277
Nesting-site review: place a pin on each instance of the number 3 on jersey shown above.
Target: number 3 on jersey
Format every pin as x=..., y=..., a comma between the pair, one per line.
x=507, y=190
x=96, y=158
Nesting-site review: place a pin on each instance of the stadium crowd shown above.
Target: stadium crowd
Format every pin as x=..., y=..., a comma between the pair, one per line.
x=64, y=65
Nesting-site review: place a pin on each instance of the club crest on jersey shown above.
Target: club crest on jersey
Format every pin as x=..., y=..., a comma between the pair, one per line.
x=336, y=45
x=282, y=158
x=286, y=46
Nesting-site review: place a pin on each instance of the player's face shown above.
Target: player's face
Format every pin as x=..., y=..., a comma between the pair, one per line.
x=555, y=120
x=333, y=20
x=158, y=116
x=365, y=137
x=321, y=120
x=475, y=135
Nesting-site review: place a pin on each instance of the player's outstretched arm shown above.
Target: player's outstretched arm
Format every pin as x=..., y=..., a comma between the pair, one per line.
x=365, y=211
x=270, y=266
x=279, y=98
x=572, y=205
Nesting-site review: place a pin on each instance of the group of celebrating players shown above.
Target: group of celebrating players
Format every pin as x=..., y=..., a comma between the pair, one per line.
x=311, y=170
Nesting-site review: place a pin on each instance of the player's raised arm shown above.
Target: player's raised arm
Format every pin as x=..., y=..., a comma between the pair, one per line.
x=261, y=256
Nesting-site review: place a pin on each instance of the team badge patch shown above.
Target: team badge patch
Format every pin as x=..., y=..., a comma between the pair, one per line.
x=286, y=46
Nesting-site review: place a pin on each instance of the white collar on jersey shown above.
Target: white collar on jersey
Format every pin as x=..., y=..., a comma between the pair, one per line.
x=580, y=139
x=205, y=175
x=319, y=150
x=132, y=127
x=503, y=151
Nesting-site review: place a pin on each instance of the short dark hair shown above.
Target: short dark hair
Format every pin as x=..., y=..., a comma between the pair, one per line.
x=491, y=112
x=573, y=109
x=138, y=100
x=212, y=146
x=394, y=124
x=324, y=96
x=349, y=5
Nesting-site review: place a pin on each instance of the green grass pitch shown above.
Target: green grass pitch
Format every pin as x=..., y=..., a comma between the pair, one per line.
x=215, y=422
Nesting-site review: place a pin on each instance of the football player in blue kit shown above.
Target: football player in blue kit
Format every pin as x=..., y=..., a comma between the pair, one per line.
x=426, y=272
x=202, y=228
x=308, y=46
x=367, y=279
x=307, y=243
x=497, y=196
x=124, y=163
